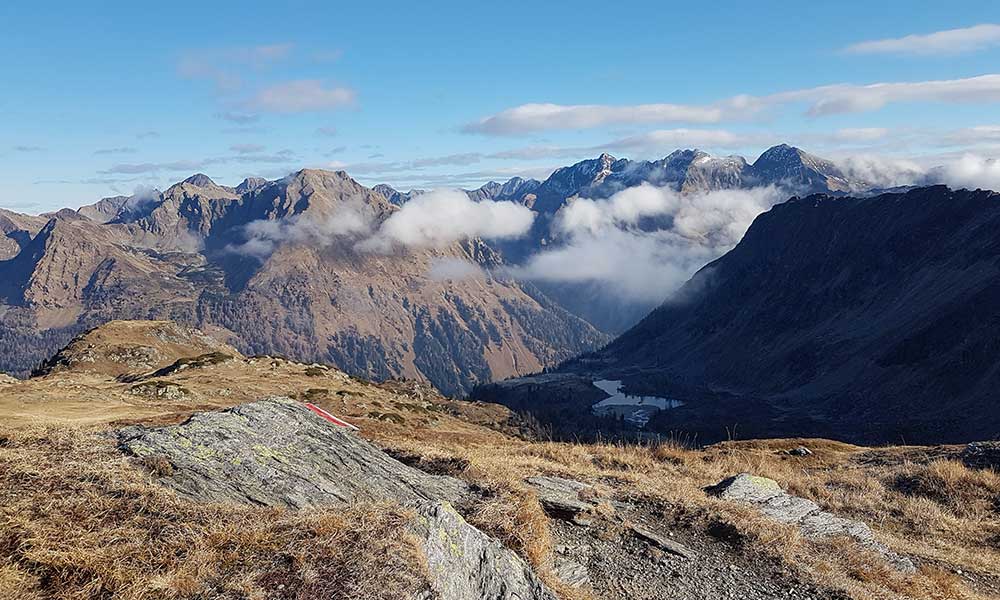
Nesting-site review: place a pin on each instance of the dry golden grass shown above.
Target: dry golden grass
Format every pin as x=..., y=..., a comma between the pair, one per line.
x=78, y=521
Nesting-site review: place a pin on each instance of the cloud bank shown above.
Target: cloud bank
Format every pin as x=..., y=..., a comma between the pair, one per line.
x=432, y=220
x=606, y=244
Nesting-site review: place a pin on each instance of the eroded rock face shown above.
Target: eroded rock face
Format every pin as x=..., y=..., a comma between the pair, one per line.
x=277, y=452
x=768, y=497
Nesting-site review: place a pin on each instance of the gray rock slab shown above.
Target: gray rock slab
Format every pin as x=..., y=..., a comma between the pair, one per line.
x=561, y=497
x=276, y=452
x=768, y=497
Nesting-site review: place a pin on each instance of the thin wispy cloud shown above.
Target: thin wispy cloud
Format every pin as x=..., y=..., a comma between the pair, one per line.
x=969, y=136
x=146, y=135
x=947, y=42
x=149, y=167
x=238, y=117
x=247, y=148
x=28, y=149
x=243, y=154
x=225, y=67
x=715, y=138
x=849, y=98
x=860, y=134
x=120, y=150
x=304, y=95
x=821, y=101
x=328, y=131
x=530, y=118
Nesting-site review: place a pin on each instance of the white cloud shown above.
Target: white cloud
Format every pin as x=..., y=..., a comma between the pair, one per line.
x=821, y=101
x=980, y=134
x=441, y=217
x=882, y=172
x=947, y=42
x=264, y=236
x=969, y=171
x=304, y=95
x=604, y=244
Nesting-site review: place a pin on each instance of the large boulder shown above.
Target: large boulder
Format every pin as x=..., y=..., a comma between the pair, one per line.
x=278, y=452
x=767, y=496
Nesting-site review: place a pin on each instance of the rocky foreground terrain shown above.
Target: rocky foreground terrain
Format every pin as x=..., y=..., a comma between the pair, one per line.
x=148, y=460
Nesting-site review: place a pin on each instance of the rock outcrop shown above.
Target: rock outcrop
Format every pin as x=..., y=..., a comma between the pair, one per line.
x=277, y=452
x=465, y=563
x=982, y=455
x=767, y=496
x=120, y=347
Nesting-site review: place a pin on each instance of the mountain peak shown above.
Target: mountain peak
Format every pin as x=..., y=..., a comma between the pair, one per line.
x=781, y=152
x=606, y=160
x=250, y=184
x=199, y=180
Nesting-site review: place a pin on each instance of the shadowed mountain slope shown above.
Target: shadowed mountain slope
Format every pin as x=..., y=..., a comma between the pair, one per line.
x=871, y=319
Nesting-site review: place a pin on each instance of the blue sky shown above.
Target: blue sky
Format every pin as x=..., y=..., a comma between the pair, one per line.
x=101, y=101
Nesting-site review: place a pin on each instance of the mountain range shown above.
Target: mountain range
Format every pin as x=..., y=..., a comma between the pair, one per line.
x=194, y=253
x=682, y=170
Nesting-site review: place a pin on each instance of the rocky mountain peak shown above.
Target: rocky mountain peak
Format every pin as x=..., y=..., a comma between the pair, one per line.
x=199, y=180
x=791, y=166
x=250, y=184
